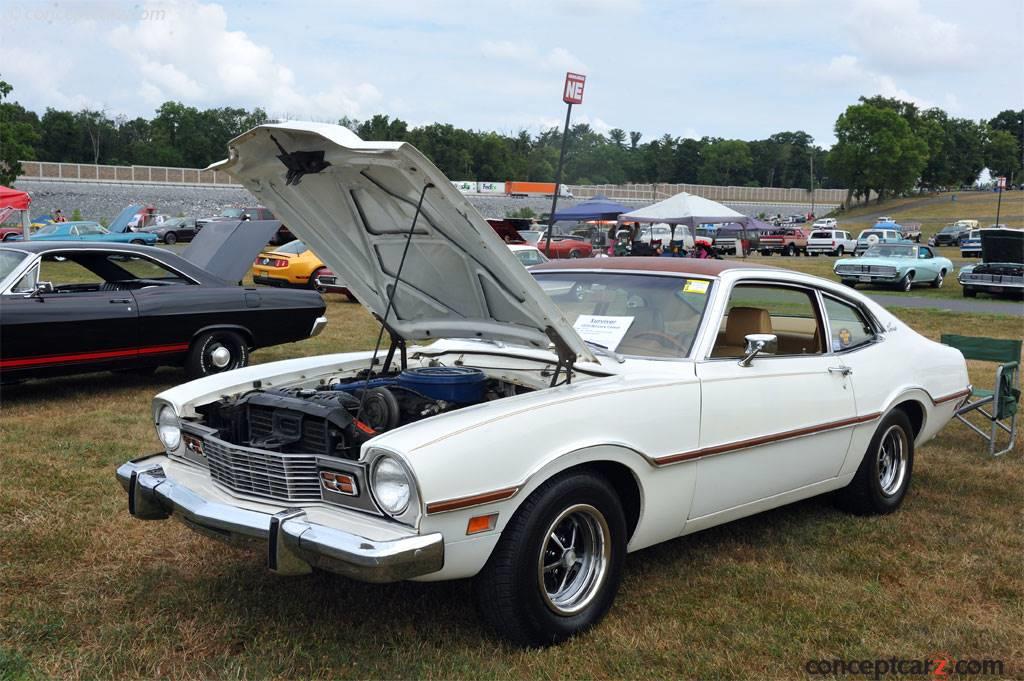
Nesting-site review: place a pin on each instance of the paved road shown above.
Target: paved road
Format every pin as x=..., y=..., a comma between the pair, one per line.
x=1012, y=308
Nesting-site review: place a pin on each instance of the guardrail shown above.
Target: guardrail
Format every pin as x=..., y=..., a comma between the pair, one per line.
x=88, y=172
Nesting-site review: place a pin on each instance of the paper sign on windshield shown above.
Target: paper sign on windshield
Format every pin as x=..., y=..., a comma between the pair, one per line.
x=605, y=331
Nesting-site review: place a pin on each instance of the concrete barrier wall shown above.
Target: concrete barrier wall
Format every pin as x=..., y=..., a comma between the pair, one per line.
x=88, y=172
x=657, y=192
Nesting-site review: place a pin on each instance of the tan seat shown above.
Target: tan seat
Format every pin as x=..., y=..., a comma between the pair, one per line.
x=741, y=322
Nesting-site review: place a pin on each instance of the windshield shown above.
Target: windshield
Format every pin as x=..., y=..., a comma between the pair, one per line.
x=951, y=228
x=9, y=260
x=293, y=247
x=232, y=213
x=530, y=235
x=634, y=314
x=890, y=252
x=172, y=222
x=47, y=229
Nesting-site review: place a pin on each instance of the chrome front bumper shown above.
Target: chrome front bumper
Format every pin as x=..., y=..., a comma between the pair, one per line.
x=294, y=544
x=318, y=325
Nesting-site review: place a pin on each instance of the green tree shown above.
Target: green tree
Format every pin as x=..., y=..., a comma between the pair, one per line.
x=1001, y=154
x=876, y=150
x=17, y=136
x=726, y=162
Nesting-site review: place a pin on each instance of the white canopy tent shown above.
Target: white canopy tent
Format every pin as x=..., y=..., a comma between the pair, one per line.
x=685, y=209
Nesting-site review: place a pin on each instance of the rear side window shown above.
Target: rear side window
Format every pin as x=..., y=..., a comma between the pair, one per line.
x=849, y=328
x=821, y=235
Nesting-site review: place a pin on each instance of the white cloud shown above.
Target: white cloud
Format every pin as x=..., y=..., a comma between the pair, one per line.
x=848, y=70
x=555, y=59
x=191, y=55
x=904, y=37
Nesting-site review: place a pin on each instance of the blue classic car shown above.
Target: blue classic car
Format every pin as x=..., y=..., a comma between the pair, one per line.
x=894, y=264
x=90, y=231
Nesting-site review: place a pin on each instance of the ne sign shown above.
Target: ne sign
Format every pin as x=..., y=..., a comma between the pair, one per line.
x=573, y=93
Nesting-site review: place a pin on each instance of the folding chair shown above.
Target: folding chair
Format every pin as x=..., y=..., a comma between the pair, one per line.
x=1003, y=400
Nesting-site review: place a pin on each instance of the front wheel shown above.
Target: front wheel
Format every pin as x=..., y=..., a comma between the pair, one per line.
x=170, y=238
x=883, y=478
x=574, y=253
x=138, y=242
x=852, y=283
x=312, y=279
x=970, y=293
x=215, y=352
x=937, y=282
x=907, y=282
x=558, y=564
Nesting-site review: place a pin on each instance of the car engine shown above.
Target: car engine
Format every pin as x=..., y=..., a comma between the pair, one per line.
x=335, y=419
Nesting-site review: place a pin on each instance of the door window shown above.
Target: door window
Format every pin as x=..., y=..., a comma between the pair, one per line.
x=849, y=328
x=143, y=268
x=89, y=230
x=65, y=275
x=924, y=253
x=789, y=313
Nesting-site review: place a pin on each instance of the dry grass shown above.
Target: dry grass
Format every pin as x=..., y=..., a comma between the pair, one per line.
x=88, y=592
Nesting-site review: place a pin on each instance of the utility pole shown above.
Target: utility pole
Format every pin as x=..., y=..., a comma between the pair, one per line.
x=812, y=180
x=572, y=93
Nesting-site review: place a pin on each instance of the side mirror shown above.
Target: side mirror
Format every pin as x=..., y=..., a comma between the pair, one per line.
x=41, y=288
x=758, y=343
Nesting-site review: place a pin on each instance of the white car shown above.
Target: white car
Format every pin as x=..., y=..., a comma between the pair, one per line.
x=534, y=439
x=527, y=254
x=825, y=223
x=830, y=242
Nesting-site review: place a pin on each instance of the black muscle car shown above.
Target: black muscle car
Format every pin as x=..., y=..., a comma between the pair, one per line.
x=70, y=307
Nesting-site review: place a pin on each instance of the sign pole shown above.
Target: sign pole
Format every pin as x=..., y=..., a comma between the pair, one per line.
x=572, y=93
x=1000, y=184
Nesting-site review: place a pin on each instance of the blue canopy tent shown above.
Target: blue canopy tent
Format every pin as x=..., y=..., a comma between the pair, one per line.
x=598, y=208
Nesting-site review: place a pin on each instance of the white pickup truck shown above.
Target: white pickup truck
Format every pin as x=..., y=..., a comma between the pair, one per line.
x=830, y=242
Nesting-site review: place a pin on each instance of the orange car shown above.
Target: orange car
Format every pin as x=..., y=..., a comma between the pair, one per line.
x=290, y=265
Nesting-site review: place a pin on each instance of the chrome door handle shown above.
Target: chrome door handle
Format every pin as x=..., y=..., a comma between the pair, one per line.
x=845, y=371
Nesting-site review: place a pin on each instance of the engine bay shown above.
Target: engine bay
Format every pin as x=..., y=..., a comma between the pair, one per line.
x=336, y=417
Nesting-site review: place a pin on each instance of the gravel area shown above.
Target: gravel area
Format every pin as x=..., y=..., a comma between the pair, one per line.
x=99, y=201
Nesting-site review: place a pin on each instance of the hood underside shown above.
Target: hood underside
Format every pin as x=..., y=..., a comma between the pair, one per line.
x=1002, y=245
x=355, y=204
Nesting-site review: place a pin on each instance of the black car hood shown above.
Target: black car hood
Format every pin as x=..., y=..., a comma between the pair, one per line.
x=226, y=248
x=1002, y=245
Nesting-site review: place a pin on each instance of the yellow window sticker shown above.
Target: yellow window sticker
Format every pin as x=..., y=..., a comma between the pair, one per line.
x=695, y=286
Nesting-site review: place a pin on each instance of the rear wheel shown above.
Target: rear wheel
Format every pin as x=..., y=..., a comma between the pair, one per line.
x=170, y=238
x=215, y=352
x=792, y=250
x=839, y=251
x=574, y=253
x=937, y=282
x=557, y=567
x=312, y=278
x=765, y=251
x=883, y=478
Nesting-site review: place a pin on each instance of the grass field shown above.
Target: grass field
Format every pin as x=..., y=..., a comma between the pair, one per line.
x=936, y=210
x=88, y=592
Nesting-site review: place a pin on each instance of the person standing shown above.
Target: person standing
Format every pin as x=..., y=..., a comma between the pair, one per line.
x=59, y=216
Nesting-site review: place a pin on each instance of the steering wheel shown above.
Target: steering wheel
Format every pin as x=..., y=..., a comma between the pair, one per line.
x=663, y=339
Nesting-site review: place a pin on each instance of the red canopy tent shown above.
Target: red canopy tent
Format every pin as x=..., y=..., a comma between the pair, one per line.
x=12, y=200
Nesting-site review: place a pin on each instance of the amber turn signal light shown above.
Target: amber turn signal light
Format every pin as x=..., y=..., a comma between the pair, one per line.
x=481, y=523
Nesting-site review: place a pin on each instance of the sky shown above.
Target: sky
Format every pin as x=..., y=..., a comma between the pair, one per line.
x=722, y=68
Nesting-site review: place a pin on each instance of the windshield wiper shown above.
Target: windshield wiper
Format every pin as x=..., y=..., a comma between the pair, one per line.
x=604, y=350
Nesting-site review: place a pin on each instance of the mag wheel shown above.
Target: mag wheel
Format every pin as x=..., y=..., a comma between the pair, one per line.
x=907, y=282
x=557, y=567
x=883, y=478
x=937, y=283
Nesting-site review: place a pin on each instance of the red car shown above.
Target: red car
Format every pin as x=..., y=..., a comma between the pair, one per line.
x=9, y=233
x=565, y=247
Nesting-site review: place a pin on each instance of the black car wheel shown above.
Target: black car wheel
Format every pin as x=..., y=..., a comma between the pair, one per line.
x=839, y=251
x=970, y=293
x=312, y=279
x=215, y=352
x=558, y=564
x=574, y=253
x=138, y=242
x=852, y=283
x=170, y=238
x=883, y=478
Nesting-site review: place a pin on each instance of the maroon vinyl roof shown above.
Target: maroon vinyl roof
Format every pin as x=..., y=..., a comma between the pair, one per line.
x=693, y=266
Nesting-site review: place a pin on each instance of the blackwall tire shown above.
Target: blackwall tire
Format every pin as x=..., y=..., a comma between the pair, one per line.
x=884, y=474
x=205, y=356
x=556, y=569
x=170, y=238
x=907, y=282
x=937, y=282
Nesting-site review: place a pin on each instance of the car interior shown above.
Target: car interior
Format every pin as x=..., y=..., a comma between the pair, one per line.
x=788, y=313
x=92, y=271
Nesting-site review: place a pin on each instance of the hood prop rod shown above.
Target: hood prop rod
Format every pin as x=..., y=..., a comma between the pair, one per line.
x=391, y=304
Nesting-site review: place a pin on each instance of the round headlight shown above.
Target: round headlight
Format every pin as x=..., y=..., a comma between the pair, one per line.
x=391, y=485
x=168, y=428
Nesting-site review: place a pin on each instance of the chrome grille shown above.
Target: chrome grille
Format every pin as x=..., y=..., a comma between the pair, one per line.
x=286, y=477
x=866, y=269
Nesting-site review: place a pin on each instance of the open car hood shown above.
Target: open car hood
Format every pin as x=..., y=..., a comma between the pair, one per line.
x=1002, y=245
x=353, y=203
x=227, y=248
